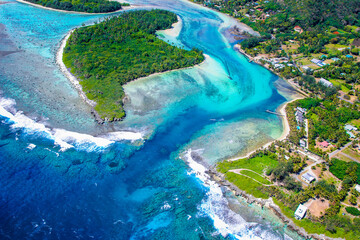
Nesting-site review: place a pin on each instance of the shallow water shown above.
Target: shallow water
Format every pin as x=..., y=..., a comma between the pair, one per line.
x=58, y=181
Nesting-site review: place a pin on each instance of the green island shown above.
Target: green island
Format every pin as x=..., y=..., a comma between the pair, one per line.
x=315, y=46
x=120, y=49
x=88, y=6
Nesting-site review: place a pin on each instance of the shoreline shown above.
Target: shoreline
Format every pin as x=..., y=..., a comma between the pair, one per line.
x=75, y=82
x=123, y=8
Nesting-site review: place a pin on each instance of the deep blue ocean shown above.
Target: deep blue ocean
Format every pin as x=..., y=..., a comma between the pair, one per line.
x=63, y=176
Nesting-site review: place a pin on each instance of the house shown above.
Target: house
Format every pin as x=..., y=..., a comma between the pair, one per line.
x=351, y=135
x=318, y=62
x=300, y=212
x=349, y=127
x=306, y=68
x=324, y=144
x=302, y=110
x=356, y=42
x=349, y=56
x=307, y=177
x=298, y=29
x=357, y=187
x=302, y=143
x=325, y=82
x=299, y=116
x=335, y=59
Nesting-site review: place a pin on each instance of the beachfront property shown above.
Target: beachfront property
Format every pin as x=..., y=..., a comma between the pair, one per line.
x=300, y=212
x=325, y=82
x=357, y=188
x=308, y=178
x=299, y=115
x=349, y=127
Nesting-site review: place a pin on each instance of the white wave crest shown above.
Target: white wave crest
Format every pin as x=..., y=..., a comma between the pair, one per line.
x=215, y=205
x=63, y=138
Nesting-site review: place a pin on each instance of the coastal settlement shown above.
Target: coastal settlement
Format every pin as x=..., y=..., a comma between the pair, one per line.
x=312, y=178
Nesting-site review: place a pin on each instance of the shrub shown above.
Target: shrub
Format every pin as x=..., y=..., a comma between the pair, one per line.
x=353, y=211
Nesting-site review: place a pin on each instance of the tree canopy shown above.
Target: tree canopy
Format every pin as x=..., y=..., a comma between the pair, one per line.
x=107, y=55
x=89, y=6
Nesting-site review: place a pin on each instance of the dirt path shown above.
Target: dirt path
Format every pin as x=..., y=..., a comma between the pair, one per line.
x=238, y=171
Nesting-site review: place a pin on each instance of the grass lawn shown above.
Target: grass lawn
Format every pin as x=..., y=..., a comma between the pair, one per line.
x=305, y=61
x=342, y=157
x=335, y=46
x=352, y=153
x=255, y=176
x=257, y=164
x=246, y=184
x=356, y=123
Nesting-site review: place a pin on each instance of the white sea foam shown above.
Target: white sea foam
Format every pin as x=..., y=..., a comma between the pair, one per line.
x=63, y=138
x=215, y=205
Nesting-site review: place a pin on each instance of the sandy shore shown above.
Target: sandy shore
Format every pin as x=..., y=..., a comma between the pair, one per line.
x=59, y=60
x=124, y=8
x=175, y=30
x=286, y=131
x=68, y=74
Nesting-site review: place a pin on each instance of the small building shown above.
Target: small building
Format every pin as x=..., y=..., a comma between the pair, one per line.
x=300, y=212
x=357, y=187
x=335, y=59
x=299, y=116
x=318, y=62
x=307, y=177
x=298, y=29
x=325, y=82
x=324, y=144
x=351, y=135
x=302, y=143
x=303, y=110
x=349, y=127
x=349, y=56
x=356, y=42
x=306, y=68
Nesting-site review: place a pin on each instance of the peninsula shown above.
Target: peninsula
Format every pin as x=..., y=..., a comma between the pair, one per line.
x=311, y=178
x=120, y=49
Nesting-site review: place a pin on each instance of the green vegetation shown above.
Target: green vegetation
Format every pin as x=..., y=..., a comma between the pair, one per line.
x=353, y=211
x=246, y=184
x=255, y=176
x=107, y=55
x=345, y=170
x=89, y=6
x=258, y=164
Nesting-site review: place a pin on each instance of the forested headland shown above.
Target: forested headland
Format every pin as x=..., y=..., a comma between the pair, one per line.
x=89, y=6
x=120, y=49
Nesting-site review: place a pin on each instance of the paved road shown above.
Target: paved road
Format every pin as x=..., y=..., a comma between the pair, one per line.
x=339, y=150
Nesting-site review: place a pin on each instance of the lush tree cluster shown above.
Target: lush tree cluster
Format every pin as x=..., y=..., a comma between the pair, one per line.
x=353, y=211
x=349, y=171
x=89, y=6
x=107, y=55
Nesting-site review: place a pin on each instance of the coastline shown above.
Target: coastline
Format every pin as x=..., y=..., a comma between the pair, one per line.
x=123, y=8
x=174, y=31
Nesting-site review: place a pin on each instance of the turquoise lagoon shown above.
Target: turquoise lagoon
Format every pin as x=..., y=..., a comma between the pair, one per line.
x=65, y=177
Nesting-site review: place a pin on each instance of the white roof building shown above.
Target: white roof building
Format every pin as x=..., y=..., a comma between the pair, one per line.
x=307, y=177
x=357, y=187
x=349, y=127
x=300, y=212
x=325, y=82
